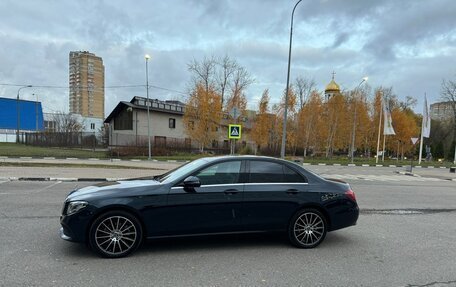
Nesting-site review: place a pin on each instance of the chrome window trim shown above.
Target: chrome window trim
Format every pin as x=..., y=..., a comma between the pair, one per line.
x=213, y=185
x=275, y=183
x=249, y=183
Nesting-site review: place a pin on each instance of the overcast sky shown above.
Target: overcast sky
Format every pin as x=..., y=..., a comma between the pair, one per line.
x=409, y=45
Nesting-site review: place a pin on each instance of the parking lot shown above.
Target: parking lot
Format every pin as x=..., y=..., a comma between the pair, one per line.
x=405, y=237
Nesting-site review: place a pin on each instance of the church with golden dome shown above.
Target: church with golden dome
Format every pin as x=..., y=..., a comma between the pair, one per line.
x=332, y=88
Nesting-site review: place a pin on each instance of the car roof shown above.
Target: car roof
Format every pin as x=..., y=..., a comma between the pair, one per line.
x=309, y=174
x=243, y=157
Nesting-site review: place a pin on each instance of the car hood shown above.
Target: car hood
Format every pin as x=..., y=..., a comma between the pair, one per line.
x=112, y=188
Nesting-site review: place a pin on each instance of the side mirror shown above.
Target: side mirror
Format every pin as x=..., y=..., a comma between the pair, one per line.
x=192, y=182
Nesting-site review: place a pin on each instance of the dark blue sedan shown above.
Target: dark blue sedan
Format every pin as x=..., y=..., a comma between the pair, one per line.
x=216, y=195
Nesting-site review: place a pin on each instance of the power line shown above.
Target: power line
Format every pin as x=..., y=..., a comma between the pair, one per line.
x=105, y=87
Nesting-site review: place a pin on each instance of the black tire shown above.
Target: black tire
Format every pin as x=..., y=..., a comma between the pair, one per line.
x=307, y=228
x=115, y=234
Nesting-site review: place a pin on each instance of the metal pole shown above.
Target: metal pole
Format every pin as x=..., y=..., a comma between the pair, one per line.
x=148, y=104
x=18, y=112
x=421, y=147
x=36, y=113
x=284, y=132
x=379, y=128
x=397, y=154
x=383, y=151
x=411, y=162
x=454, y=159
x=352, y=153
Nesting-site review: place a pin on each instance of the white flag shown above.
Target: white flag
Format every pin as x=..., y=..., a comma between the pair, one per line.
x=387, y=122
x=426, y=125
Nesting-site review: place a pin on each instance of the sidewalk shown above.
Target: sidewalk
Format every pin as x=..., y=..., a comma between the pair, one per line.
x=143, y=168
x=441, y=173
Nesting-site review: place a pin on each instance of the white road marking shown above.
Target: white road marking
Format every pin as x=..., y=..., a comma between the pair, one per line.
x=47, y=187
x=31, y=191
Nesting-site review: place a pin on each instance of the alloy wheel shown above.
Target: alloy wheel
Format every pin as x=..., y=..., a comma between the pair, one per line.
x=115, y=235
x=309, y=229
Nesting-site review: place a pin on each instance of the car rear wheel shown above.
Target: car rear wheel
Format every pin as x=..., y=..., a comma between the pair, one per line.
x=307, y=228
x=115, y=234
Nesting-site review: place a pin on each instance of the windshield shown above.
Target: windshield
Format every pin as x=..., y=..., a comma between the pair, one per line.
x=174, y=174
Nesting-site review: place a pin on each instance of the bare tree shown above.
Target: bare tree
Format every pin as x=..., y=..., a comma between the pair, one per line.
x=448, y=94
x=67, y=129
x=203, y=72
x=408, y=104
x=303, y=89
x=224, y=75
x=67, y=123
x=239, y=83
x=227, y=69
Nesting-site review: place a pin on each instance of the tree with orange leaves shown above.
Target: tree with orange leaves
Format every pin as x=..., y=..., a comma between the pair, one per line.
x=310, y=122
x=338, y=128
x=263, y=122
x=202, y=115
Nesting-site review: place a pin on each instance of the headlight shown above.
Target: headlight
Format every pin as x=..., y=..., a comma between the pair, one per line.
x=75, y=206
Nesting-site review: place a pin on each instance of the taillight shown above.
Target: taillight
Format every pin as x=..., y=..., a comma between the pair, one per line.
x=350, y=194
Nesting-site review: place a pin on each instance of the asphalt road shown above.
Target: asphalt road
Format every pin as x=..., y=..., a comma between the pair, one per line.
x=405, y=236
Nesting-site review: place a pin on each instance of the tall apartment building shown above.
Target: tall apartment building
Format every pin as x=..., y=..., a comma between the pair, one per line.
x=86, y=84
x=442, y=111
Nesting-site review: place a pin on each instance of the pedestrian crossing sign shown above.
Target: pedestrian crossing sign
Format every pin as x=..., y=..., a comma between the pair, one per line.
x=234, y=132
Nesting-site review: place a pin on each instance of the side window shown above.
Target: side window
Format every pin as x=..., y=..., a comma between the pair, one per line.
x=263, y=171
x=220, y=173
x=292, y=176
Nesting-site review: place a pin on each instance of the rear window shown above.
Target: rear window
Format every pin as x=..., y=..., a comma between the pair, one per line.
x=271, y=172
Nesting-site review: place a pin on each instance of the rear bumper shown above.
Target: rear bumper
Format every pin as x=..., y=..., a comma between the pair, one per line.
x=345, y=218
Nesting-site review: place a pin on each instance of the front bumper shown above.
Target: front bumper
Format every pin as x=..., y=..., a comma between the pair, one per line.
x=75, y=227
x=65, y=236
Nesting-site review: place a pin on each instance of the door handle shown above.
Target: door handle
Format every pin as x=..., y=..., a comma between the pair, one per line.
x=231, y=191
x=292, y=191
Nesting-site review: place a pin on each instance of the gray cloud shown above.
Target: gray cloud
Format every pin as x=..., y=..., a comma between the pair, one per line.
x=405, y=44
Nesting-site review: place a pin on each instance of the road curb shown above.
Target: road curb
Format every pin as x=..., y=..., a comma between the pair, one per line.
x=407, y=173
x=33, y=178
x=66, y=179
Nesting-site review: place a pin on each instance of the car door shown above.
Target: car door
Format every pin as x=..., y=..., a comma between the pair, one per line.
x=213, y=207
x=271, y=195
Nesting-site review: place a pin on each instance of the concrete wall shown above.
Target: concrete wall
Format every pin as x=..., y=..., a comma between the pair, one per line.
x=7, y=136
x=159, y=126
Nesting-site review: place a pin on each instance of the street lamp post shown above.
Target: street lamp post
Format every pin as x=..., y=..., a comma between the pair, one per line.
x=18, y=112
x=352, y=153
x=36, y=112
x=284, y=133
x=147, y=57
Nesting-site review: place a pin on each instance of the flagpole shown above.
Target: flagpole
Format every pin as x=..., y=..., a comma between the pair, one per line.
x=424, y=125
x=421, y=146
x=454, y=159
x=379, y=127
x=387, y=122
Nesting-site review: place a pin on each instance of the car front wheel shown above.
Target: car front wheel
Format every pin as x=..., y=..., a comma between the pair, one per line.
x=115, y=234
x=307, y=228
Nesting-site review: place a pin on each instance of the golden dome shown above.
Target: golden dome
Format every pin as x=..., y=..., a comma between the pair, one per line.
x=332, y=86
